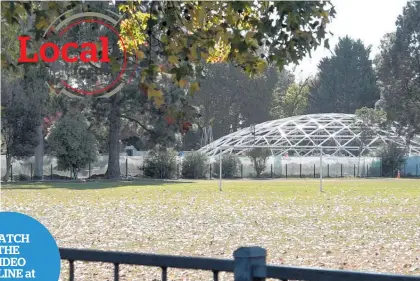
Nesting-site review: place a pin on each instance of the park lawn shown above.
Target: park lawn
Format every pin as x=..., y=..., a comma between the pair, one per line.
x=370, y=225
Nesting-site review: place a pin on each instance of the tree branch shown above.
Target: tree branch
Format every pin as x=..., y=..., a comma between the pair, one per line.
x=137, y=122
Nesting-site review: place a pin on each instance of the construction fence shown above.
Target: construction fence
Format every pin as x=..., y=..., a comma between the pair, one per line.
x=276, y=167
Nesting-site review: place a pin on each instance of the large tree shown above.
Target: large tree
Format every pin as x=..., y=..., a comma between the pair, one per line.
x=20, y=116
x=31, y=76
x=370, y=122
x=292, y=102
x=398, y=70
x=346, y=81
x=176, y=37
x=229, y=99
x=172, y=39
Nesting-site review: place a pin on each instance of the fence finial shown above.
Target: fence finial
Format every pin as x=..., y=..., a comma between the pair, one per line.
x=250, y=264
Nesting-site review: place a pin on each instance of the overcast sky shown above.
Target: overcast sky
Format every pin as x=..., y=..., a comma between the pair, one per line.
x=367, y=20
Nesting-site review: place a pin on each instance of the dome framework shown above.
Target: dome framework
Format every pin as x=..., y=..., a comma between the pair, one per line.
x=336, y=133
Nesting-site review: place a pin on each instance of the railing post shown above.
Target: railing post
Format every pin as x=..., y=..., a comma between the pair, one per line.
x=341, y=170
x=314, y=171
x=242, y=170
x=250, y=264
x=11, y=172
x=417, y=170
x=271, y=170
x=31, y=171
x=354, y=170
x=220, y=171
x=380, y=167
x=210, y=170
x=126, y=168
x=90, y=170
x=300, y=170
x=177, y=171
x=286, y=171
x=116, y=272
x=71, y=271
x=51, y=176
x=328, y=171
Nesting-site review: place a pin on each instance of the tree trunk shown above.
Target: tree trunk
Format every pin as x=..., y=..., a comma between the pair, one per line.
x=8, y=163
x=206, y=115
x=39, y=155
x=113, y=171
x=75, y=173
x=256, y=167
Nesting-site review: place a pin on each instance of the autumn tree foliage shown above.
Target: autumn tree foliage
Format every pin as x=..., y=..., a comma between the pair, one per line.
x=172, y=39
x=175, y=36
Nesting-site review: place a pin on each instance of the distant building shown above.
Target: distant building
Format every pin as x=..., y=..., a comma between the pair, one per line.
x=132, y=151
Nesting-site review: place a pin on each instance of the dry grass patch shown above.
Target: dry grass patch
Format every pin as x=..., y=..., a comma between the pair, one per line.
x=371, y=225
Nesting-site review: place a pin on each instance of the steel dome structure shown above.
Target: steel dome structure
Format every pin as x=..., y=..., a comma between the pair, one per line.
x=336, y=133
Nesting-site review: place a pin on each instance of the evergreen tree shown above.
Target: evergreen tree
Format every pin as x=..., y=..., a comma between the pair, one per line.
x=346, y=81
x=72, y=143
x=20, y=116
x=398, y=70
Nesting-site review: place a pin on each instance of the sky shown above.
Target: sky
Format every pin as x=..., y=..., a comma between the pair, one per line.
x=368, y=20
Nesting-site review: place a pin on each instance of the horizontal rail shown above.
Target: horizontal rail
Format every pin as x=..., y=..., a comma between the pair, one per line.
x=309, y=274
x=197, y=263
x=220, y=265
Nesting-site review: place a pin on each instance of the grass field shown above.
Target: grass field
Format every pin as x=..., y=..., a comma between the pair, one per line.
x=371, y=225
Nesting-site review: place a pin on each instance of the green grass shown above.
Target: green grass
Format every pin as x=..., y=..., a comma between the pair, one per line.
x=371, y=225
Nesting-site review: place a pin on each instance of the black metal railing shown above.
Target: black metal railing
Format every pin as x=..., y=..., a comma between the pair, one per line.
x=162, y=261
x=304, y=273
x=249, y=264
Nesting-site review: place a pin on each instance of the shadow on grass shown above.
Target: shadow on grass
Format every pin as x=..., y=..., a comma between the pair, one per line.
x=80, y=185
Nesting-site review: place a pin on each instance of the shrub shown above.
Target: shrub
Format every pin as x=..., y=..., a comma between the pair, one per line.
x=160, y=163
x=72, y=143
x=259, y=157
x=195, y=165
x=392, y=159
x=21, y=177
x=230, y=166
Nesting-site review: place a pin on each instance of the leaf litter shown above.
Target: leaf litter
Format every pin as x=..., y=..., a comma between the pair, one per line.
x=352, y=226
